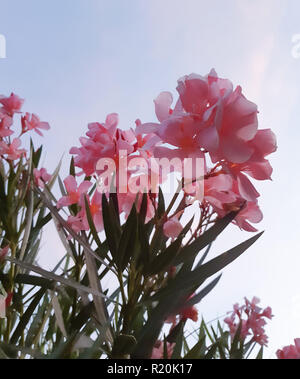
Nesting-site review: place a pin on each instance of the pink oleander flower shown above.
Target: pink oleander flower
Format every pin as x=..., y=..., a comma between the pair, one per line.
x=290, y=352
x=189, y=313
x=41, y=177
x=184, y=313
x=5, y=124
x=158, y=350
x=252, y=321
x=76, y=223
x=217, y=191
x=11, y=150
x=109, y=143
x=104, y=141
x=11, y=104
x=263, y=144
x=250, y=213
x=172, y=228
x=95, y=205
x=33, y=122
x=74, y=193
x=212, y=118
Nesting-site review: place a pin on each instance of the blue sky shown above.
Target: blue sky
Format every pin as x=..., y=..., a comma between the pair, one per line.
x=77, y=60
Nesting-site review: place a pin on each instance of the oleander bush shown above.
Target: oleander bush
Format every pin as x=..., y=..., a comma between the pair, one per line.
x=140, y=210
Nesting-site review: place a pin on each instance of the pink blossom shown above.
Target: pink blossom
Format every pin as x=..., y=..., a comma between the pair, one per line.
x=104, y=141
x=41, y=177
x=33, y=122
x=12, y=150
x=290, y=352
x=236, y=124
x=109, y=142
x=250, y=213
x=11, y=104
x=217, y=191
x=74, y=193
x=76, y=223
x=184, y=313
x=252, y=320
x=79, y=222
x=96, y=211
x=194, y=90
x=211, y=120
x=189, y=313
x=172, y=228
x=263, y=144
x=5, y=124
x=163, y=106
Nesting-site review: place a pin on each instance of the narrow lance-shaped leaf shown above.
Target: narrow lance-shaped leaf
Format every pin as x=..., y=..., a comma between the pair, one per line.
x=57, y=278
x=200, y=274
x=128, y=239
x=205, y=239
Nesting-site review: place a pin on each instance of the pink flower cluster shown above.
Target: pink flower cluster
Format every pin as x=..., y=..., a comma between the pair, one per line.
x=108, y=142
x=251, y=319
x=214, y=121
x=210, y=120
x=290, y=352
x=76, y=195
x=9, y=106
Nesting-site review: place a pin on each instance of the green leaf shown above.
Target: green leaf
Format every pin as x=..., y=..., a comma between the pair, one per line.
x=143, y=208
x=205, y=239
x=49, y=275
x=199, y=296
x=36, y=323
x=178, y=342
x=197, y=351
x=144, y=258
x=175, y=332
x=3, y=355
x=200, y=274
x=260, y=353
x=212, y=351
x=91, y=223
x=165, y=259
x=36, y=156
x=126, y=248
x=35, y=281
x=123, y=345
x=61, y=187
x=111, y=228
x=72, y=167
x=235, y=350
x=113, y=200
x=161, y=208
x=28, y=227
x=27, y=315
x=83, y=316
